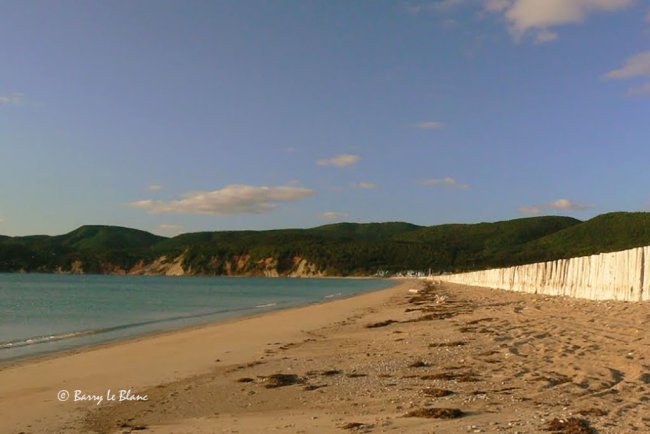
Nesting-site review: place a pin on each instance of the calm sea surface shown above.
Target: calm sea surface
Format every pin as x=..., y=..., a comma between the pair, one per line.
x=42, y=313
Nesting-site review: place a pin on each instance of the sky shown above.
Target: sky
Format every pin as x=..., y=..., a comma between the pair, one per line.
x=184, y=116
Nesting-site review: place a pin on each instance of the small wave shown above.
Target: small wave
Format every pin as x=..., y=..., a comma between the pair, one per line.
x=338, y=294
x=45, y=339
x=35, y=340
x=266, y=305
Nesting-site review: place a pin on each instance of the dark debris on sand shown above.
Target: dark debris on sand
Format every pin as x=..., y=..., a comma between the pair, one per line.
x=311, y=387
x=463, y=377
x=381, y=324
x=436, y=413
x=281, y=380
x=133, y=427
x=594, y=412
x=331, y=372
x=572, y=425
x=437, y=393
x=357, y=426
x=447, y=344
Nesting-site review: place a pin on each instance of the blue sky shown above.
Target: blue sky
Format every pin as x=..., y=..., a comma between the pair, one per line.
x=174, y=116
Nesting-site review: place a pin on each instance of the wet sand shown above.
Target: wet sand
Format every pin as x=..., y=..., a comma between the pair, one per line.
x=450, y=359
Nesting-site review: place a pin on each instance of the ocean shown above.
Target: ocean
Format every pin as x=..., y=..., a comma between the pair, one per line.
x=45, y=313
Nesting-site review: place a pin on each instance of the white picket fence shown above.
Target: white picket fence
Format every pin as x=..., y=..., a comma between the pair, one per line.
x=623, y=275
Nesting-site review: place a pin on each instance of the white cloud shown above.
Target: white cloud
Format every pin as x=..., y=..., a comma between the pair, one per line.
x=340, y=161
x=637, y=66
x=232, y=199
x=365, y=185
x=537, y=16
x=544, y=36
x=434, y=6
x=532, y=210
x=567, y=204
x=443, y=5
x=445, y=182
x=643, y=89
x=12, y=99
x=414, y=9
x=497, y=5
x=169, y=229
x=332, y=215
x=555, y=205
x=430, y=125
x=450, y=24
x=154, y=187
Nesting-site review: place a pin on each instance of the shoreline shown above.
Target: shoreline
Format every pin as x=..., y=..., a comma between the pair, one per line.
x=392, y=360
x=55, y=369
x=5, y=363
x=256, y=276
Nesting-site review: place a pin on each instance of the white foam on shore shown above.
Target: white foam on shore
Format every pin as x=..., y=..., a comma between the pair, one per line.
x=266, y=305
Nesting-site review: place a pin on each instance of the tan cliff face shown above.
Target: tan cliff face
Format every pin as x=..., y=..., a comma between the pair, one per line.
x=242, y=262
x=109, y=268
x=162, y=266
x=239, y=265
x=76, y=267
x=304, y=268
x=268, y=267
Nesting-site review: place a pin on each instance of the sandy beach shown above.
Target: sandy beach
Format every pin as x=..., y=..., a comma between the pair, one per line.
x=449, y=359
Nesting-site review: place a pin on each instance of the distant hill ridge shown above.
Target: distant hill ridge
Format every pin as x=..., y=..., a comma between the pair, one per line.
x=335, y=249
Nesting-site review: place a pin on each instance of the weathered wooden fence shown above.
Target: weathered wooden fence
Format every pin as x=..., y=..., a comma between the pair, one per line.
x=621, y=275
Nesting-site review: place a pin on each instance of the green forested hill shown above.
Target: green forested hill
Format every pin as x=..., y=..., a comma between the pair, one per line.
x=95, y=238
x=604, y=233
x=471, y=246
x=336, y=249
x=92, y=245
x=367, y=230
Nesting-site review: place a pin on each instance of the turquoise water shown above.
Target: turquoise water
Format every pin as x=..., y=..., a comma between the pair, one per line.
x=42, y=313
